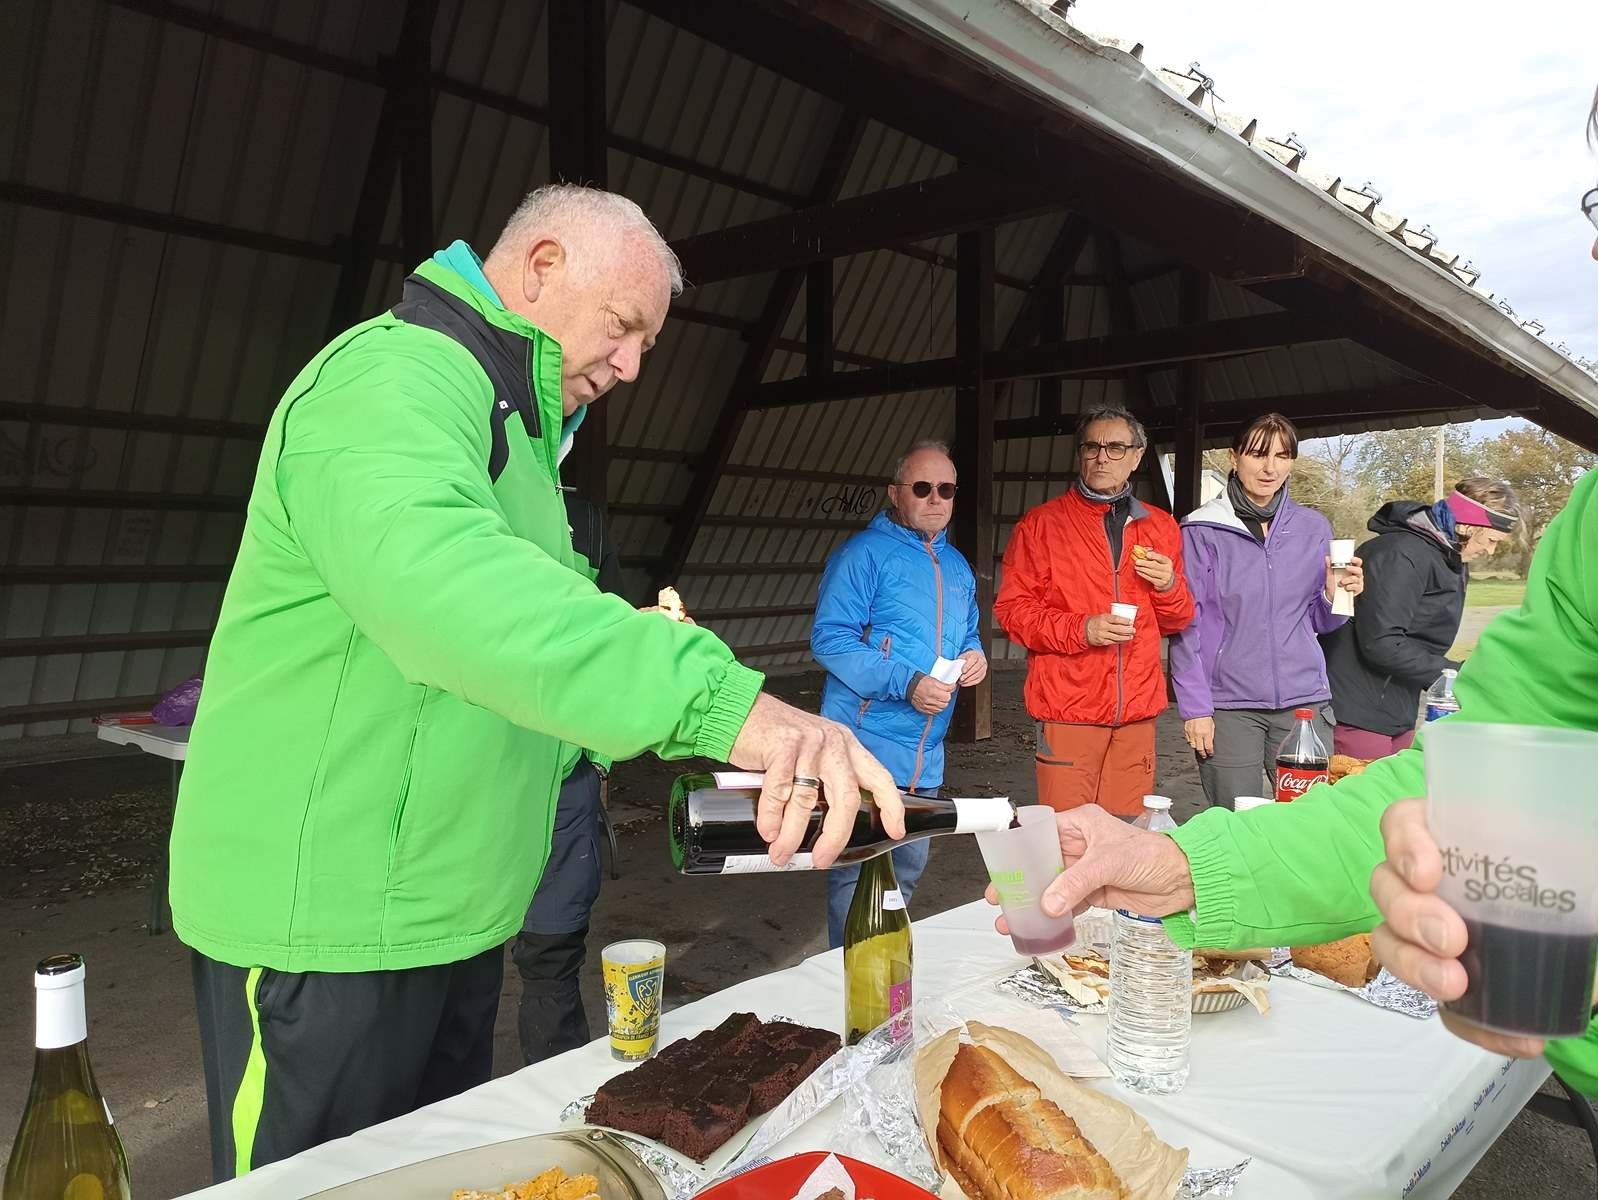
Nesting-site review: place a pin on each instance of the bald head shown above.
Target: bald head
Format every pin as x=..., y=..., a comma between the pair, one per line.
x=928, y=465
x=588, y=268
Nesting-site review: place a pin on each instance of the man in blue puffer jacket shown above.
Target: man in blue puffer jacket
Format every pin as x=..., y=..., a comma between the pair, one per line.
x=896, y=599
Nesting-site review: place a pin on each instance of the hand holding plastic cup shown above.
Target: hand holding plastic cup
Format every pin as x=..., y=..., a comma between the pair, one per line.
x=635, y=974
x=1022, y=862
x=1518, y=838
x=1129, y=611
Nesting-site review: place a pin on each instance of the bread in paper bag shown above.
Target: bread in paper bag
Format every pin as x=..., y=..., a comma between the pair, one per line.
x=1147, y=1169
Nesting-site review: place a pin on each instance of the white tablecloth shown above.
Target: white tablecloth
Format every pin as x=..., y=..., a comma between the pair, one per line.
x=1330, y=1096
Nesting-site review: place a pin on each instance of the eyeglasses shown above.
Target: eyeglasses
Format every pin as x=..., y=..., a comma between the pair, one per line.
x=1114, y=451
x=921, y=489
x=1589, y=207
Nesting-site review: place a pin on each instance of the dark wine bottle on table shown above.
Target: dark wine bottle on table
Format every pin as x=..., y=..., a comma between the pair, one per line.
x=711, y=818
x=876, y=955
x=67, y=1147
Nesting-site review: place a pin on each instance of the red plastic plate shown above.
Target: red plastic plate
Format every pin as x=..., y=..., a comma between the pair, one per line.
x=781, y=1179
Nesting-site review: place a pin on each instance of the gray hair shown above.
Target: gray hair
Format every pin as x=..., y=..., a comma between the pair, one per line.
x=562, y=210
x=1111, y=412
x=925, y=444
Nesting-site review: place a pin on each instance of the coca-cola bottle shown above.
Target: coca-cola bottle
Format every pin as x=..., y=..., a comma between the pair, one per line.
x=1301, y=759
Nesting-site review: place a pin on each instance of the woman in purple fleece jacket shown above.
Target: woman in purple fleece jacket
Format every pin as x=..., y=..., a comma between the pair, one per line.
x=1262, y=582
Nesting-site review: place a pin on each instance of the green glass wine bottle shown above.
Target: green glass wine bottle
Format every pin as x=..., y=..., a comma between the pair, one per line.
x=67, y=1147
x=877, y=954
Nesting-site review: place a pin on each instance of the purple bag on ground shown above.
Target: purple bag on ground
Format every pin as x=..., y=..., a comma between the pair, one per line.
x=177, y=706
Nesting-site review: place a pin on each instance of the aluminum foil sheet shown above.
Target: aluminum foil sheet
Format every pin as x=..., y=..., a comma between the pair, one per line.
x=1031, y=985
x=1385, y=991
x=1201, y=1184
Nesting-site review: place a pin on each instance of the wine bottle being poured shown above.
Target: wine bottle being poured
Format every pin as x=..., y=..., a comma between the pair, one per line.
x=66, y=1146
x=711, y=818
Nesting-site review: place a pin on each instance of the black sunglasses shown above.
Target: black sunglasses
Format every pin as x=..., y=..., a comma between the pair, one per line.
x=1589, y=207
x=921, y=489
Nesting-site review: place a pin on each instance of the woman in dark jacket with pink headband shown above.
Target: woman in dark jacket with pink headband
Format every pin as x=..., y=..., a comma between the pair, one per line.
x=1408, y=617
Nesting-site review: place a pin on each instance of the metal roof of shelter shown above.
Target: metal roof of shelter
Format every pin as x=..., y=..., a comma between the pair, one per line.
x=905, y=219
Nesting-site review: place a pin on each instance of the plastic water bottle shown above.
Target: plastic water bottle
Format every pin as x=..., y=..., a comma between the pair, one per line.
x=1440, y=699
x=1151, y=991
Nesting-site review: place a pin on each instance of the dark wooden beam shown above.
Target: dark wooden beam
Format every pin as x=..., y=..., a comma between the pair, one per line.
x=133, y=422
x=654, y=454
x=855, y=385
x=964, y=199
x=239, y=34
x=1123, y=319
x=1193, y=302
x=159, y=222
x=818, y=319
x=1189, y=341
x=762, y=343
x=89, y=498
x=578, y=153
x=1358, y=404
x=96, y=643
x=859, y=57
x=68, y=710
x=973, y=459
x=738, y=520
x=1076, y=358
x=200, y=573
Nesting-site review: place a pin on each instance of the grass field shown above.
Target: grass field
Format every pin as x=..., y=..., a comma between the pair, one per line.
x=1484, y=593
x=1493, y=593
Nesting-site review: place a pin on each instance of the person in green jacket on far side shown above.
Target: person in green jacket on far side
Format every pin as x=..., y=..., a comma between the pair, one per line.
x=407, y=660
x=1358, y=856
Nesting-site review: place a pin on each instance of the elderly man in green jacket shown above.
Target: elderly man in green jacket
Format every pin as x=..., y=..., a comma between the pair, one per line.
x=405, y=661
x=1302, y=873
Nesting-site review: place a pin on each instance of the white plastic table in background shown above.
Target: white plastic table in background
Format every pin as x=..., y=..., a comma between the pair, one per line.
x=164, y=741
x=1330, y=1096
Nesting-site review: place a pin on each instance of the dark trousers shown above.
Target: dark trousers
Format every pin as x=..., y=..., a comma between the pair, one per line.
x=296, y=1059
x=551, y=947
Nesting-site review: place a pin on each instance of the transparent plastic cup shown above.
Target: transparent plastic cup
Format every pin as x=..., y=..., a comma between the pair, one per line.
x=1021, y=863
x=1511, y=809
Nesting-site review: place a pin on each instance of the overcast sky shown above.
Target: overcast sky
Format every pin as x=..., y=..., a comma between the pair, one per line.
x=1466, y=116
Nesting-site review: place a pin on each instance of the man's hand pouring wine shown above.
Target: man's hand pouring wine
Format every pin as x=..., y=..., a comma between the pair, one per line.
x=794, y=748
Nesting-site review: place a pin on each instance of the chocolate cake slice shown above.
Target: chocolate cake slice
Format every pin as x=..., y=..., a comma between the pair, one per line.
x=696, y=1093
x=698, y=1132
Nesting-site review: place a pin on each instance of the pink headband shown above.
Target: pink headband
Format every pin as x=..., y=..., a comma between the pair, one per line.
x=1469, y=512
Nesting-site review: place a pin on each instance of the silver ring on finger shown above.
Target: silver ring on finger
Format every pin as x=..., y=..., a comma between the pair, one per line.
x=806, y=781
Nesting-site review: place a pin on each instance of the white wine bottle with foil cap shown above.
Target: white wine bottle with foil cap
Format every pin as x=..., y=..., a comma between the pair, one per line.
x=711, y=822
x=877, y=955
x=66, y=1148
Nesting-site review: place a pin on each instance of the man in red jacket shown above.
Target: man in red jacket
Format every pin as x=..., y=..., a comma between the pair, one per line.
x=1094, y=680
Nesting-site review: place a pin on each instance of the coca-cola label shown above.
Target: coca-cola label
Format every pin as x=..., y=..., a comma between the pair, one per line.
x=1293, y=781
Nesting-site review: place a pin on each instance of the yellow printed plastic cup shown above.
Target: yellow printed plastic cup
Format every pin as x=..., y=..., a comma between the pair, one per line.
x=635, y=974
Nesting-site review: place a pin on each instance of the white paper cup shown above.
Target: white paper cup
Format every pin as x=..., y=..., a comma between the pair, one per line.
x=1510, y=807
x=1021, y=863
x=1342, y=551
x=1129, y=611
x=1244, y=803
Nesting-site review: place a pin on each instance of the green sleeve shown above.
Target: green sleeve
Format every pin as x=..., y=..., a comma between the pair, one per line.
x=1298, y=874
x=381, y=473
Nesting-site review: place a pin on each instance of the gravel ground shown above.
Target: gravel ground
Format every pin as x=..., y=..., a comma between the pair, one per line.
x=79, y=839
